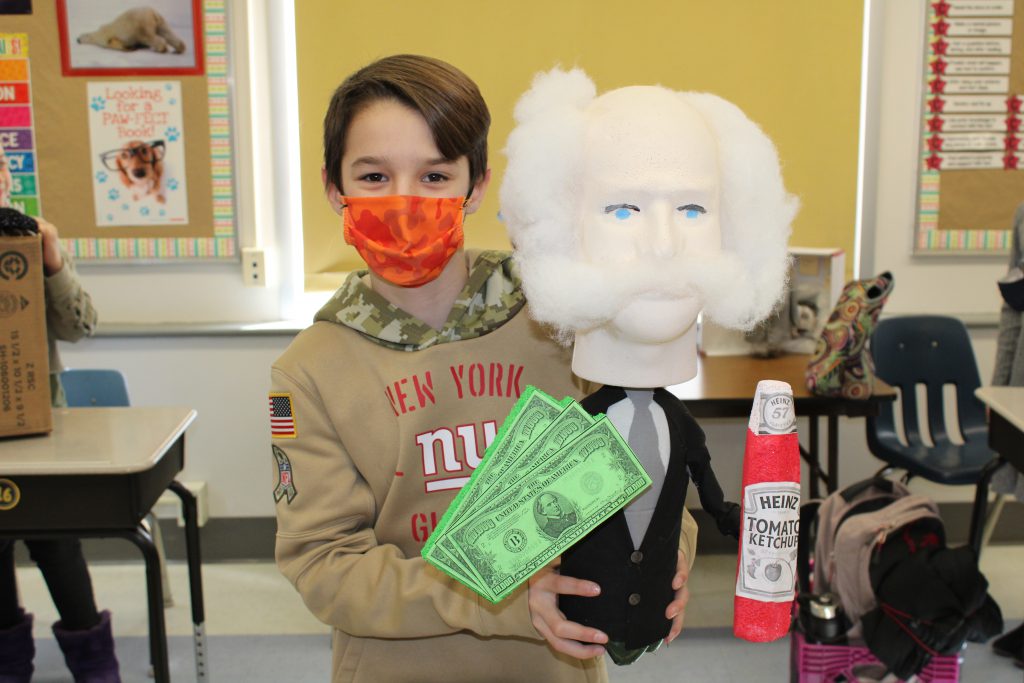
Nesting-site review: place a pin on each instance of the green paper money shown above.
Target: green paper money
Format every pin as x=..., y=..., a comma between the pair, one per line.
x=528, y=520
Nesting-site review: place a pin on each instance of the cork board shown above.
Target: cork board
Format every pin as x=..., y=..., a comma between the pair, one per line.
x=87, y=107
x=971, y=179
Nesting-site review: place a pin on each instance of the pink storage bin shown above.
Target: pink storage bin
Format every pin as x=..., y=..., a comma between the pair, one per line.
x=819, y=663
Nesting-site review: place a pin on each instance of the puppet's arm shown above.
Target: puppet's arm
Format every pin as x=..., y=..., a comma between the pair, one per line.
x=698, y=463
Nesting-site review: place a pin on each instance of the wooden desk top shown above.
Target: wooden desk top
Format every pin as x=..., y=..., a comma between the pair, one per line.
x=1007, y=401
x=96, y=441
x=730, y=383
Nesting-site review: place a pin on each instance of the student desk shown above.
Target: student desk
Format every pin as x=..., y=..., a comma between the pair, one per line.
x=725, y=387
x=1006, y=437
x=98, y=474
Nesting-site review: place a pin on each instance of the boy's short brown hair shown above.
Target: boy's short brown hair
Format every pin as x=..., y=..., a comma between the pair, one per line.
x=449, y=101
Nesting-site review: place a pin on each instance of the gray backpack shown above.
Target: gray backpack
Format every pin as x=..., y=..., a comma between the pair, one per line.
x=852, y=526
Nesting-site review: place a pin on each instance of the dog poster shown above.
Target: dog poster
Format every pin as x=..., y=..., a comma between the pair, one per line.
x=125, y=37
x=137, y=135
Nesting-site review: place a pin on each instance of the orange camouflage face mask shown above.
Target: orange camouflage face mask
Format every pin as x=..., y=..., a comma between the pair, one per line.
x=404, y=239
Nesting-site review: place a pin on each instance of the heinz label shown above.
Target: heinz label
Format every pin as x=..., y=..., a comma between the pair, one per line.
x=771, y=525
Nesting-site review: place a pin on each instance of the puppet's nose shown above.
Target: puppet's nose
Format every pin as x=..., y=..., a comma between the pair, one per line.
x=660, y=241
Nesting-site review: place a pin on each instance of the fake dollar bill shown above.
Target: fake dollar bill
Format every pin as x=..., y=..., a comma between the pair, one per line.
x=527, y=504
x=502, y=465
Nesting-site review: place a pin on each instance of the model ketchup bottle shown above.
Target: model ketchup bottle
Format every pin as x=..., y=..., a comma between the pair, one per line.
x=766, y=568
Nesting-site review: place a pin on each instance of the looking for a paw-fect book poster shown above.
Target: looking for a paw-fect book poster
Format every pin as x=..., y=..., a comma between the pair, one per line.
x=138, y=159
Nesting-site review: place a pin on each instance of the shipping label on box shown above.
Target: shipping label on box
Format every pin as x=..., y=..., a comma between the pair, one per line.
x=24, y=357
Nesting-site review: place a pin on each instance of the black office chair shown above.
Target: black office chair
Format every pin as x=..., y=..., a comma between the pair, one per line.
x=92, y=388
x=933, y=351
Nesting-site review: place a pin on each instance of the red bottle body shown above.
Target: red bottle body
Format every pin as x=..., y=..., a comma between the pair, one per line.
x=766, y=566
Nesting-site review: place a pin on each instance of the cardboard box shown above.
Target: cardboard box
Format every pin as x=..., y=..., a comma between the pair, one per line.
x=816, y=279
x=24, y=357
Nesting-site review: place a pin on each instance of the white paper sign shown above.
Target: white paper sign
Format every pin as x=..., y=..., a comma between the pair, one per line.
x=985, y=66
x=978, y=47
x=973, y=142
x=980, y=8
x=961, y=123
x=138, y=153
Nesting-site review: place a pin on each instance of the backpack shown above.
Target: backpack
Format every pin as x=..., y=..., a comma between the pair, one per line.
x=852, y=527
x=881, y=552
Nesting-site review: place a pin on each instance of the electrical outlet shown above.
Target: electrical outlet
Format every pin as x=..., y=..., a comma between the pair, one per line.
x=254, y=270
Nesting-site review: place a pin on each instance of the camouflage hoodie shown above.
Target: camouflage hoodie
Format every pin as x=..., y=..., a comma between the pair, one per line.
x=492, y=296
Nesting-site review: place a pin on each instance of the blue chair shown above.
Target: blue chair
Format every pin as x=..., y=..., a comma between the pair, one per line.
x=933, y=351
x=95, y=388
x=87, y=388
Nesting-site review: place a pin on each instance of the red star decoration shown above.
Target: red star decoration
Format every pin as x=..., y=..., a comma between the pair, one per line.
x=1010, y=161
x=935, y=105
x=941, y=8
x=940, y=27
x=1013, y=124
x=937, y=86
x=934, y=162
x=935, y=124
x=935, y=143
x=1013, y=103
x=939, y=66
x=1012, y=141
x=940, y=46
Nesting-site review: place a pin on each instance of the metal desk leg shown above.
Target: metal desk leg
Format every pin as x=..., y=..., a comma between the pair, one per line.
x=155, y=598
x=979, y=511
x=195, y=579
x=812, y=438
x=832, y=483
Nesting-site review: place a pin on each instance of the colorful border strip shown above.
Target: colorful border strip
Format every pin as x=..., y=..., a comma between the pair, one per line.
x=17, y=122
x=223, y=245
x=928, y=239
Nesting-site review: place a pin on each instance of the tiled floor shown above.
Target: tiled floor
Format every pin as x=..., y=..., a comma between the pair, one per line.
x=252, y=599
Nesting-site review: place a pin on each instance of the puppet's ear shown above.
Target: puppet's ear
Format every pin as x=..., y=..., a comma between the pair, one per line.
x=553, y=90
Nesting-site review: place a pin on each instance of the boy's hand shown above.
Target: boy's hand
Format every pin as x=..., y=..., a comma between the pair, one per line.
x=52, y=259
x=677, y=608
x=563, y=635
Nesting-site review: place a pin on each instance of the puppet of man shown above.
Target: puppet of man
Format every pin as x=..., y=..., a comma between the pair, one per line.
x=630, y=213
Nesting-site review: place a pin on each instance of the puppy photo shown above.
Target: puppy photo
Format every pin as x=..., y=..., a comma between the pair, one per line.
x=136, y=29
x=140, y=166
x=130, y=37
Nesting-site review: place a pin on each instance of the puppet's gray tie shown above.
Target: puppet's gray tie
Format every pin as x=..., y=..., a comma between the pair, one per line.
x=643, y=440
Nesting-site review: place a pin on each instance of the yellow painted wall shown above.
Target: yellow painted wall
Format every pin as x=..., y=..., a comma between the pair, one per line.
x=792, y=65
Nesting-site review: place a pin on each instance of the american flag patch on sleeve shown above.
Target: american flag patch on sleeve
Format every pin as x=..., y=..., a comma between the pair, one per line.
x=282, y=417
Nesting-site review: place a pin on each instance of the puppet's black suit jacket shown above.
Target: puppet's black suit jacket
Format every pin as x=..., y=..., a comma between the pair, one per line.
x=636, y=583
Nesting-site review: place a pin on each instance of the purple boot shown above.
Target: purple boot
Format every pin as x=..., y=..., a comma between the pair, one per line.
x=90, y=653
x=17, y=651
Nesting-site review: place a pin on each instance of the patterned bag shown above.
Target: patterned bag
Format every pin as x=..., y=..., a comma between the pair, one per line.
x=841, y=364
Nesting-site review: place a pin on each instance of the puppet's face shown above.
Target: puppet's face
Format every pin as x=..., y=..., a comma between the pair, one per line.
x=649, y=195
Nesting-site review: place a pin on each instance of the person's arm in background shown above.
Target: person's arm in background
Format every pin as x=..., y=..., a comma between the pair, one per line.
x=69, y=311
x=1009, y=319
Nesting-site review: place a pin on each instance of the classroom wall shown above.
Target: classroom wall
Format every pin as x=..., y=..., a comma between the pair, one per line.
x=793, y=67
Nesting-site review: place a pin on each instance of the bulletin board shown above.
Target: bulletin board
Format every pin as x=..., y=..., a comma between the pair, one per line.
x=127, y=151
x=971, y=176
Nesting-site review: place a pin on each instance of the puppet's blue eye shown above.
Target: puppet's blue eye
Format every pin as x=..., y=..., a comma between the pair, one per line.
x=692, y=211
x=622, y=211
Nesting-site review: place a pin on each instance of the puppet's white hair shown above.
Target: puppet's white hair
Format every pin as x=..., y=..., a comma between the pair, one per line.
x=539, y=196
